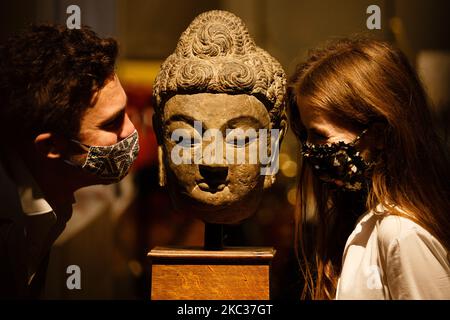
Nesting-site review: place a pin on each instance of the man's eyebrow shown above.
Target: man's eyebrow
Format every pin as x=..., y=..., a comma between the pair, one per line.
x=115, y=116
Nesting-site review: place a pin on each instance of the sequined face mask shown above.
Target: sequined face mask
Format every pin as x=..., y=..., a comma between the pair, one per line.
x=339, y=164
x=111, y=163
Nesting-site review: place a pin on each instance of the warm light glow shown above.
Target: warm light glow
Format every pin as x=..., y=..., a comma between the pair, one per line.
x=289, y=168
x=291, y=196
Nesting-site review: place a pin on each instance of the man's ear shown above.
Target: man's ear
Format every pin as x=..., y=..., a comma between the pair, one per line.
x=50, y=145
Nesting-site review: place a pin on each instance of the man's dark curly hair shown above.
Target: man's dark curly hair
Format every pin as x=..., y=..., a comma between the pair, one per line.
x=48, y=77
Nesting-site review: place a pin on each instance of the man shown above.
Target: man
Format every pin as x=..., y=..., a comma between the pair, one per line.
x=64, y=127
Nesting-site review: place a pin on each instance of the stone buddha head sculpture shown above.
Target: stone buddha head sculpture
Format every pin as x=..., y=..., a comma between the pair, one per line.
x=219, y=119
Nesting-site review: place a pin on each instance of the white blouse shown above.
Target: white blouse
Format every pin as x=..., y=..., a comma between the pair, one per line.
x=392, y=257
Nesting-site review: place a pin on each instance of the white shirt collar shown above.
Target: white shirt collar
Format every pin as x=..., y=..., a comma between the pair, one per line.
x=31, y=196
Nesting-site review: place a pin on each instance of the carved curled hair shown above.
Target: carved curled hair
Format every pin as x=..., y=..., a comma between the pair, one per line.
x=216, y=54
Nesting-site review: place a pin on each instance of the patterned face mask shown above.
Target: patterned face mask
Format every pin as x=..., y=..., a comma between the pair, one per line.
x=339, y=164
x=111, y=163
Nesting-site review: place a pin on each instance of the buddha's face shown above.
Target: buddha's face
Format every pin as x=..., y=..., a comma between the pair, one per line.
x=217, y=188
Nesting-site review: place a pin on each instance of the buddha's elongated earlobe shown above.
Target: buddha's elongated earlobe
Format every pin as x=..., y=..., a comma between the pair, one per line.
x=161, y=167
x=269, y=180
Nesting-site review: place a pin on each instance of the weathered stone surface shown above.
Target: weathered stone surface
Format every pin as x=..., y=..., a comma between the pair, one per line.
x=218, y=76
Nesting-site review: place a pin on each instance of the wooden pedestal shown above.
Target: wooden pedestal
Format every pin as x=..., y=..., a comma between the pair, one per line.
x=234, y=273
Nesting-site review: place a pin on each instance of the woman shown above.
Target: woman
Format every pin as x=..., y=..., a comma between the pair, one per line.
x=375, y=175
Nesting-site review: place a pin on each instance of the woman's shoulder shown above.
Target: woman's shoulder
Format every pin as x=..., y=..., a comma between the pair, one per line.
x=414, y=263
x=396, y=226
x=392, y=226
